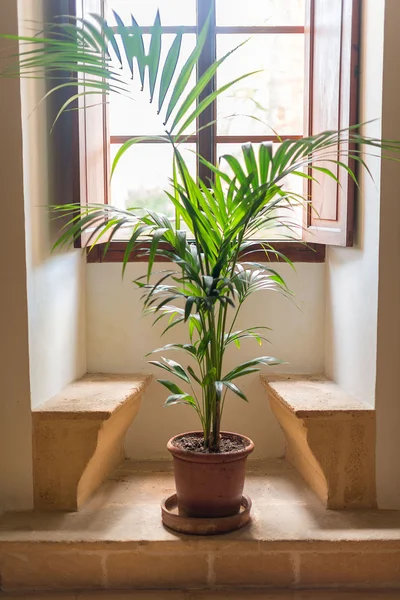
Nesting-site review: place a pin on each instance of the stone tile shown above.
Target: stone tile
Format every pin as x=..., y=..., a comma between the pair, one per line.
x=153, y=570
x=273, y=488
x=125, y=519
x=141, y=487
x=42, y=569
x=238, y=566
x=369, y=569
x=130, y=467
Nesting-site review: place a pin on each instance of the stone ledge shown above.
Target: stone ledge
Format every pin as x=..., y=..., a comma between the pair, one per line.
x=117, y=541
x=78, y=437
x=330, y=438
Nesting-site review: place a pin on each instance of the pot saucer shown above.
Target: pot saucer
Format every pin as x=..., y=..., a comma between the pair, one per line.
x=204, y=526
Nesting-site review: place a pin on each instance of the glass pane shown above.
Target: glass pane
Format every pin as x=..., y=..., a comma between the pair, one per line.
x=172, y=12
x=293, y=184
x=269, y=101
x=260, y=12
x=136, y=116
x=143, y=173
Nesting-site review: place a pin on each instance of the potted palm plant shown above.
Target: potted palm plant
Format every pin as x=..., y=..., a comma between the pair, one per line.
x=209, y=277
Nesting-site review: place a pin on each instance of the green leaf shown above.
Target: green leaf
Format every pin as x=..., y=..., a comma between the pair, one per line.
x=96, y=35
x=327, y=172
x=186, y=71
x=72, y=99
x=157, y=235
x=235, y=166
x=202, y=82
x=189, y=348
x=218, y=390
x=131, y=245
x=169, y=69
x=248, y=371
x=201, y=106
x=171, y=386
x=188, y=306
x=265, y=159
x=193, y=374
x=109, y=34
x=154, y=54
x=180, y=399
x=231, y=386
x=177, y=369
x=251, y=163
x=256, y=362
x=138, y=45
x=126, y=41
x=173, y=324
x=210, y=377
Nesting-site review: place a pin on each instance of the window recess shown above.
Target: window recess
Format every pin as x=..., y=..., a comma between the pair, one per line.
x=313, y=88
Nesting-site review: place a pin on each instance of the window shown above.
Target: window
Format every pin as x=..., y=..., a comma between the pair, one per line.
x=268, y=106
x=308, y=53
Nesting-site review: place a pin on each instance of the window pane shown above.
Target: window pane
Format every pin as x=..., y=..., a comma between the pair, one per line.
x=294, y=184
x=172, y=12
x=260, y=12
x=143, y=173
x=136, y=116
x=269, y=101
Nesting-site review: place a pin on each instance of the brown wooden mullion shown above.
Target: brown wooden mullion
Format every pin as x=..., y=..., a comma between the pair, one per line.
x=162, y=139
x=247, y=29
x=257, y=29
x=295, y=251
x=220, y=139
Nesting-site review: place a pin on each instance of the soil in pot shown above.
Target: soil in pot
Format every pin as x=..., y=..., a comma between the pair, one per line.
x=195, y=443
x=209, y=484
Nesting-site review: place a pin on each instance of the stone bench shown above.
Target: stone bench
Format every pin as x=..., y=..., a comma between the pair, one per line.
x=78, y=437
x=330, y=438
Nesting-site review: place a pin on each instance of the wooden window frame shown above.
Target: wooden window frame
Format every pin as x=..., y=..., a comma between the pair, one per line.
x=312, y=247
x=336, y=227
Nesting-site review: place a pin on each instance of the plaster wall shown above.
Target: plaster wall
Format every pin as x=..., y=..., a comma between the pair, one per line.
x=118, y=338
x=42, y=316
x=55, y=282
x=388, y=341
x=363, y=283
x=352, y=273
x=15, y=414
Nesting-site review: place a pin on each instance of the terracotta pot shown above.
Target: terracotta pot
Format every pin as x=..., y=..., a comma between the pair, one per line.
x=209, y=485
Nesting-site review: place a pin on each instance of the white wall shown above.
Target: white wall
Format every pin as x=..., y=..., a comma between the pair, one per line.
x=15, y=414
x=388, y=343
x=363, y=283
x=352, y=273
x=42, y=304
x=56, y=288
x=118, y=339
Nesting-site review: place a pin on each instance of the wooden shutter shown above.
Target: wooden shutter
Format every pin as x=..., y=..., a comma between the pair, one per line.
x=91, y=134
x=332, y=43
